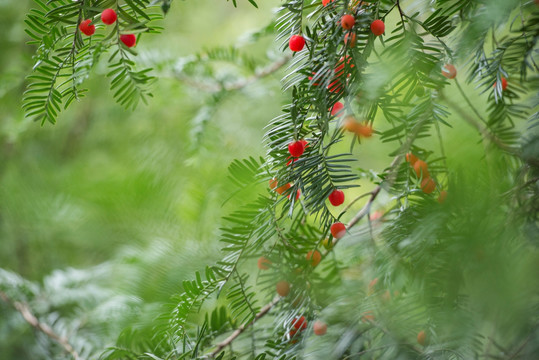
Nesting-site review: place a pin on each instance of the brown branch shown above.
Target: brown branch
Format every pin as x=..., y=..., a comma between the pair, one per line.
x=30, y=318
x=244, y=327
x=240, y=84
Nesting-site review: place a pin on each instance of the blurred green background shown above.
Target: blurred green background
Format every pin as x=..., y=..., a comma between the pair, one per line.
x=139, y=194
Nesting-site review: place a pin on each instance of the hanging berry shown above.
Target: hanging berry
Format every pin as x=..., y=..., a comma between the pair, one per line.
x=281, y=189
x=320, y=328
x=336, y=198
x=421, y=338
x=296, y=43
x=347, y=22
x=421, y=169
x=378, y=27
x=504, y=83
x=263, y=263
x=428, y=185
x=325, y=2
x=86, y=28
x=283, y=288
x=337, y=108
x=449, y=71
x=338, y=230
x=442, y=196
x=108, y=16
x=273, y=183
x=350, y=39
x=296, y=148
x=411, y=158
x=129, y=40
x=314, y=257
x=299, y=323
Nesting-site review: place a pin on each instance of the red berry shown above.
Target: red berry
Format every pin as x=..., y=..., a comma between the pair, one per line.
x=320, y=328
x=378, y=27
x=338, y=230
x=421, y=338
x=347, y=22
x=335, y=86
x=337, y=108
x=86, y=28
x=350, y=39
x=283, y=288
x=314, y=257
x=300, y=323
x=428, y=185
x=296, y=148
x=336, y=198
x=298, y=194
x=296, y=42
x=263, y=263
x=504, y=83
x=128, y=39
x=325, y=2
x=108, y=16
x=339, y=70
x=273, y=183
x=449, y=71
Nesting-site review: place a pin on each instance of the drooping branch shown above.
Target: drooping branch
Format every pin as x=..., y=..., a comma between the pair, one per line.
x=31, y=319
x=244, y=327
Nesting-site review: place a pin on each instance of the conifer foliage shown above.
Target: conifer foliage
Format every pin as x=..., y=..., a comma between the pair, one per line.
x=446, y=271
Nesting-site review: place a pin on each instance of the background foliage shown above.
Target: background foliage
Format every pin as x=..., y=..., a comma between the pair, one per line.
x=108, y=213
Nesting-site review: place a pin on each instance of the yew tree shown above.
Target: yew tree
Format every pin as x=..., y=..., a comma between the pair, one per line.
x=433, y=256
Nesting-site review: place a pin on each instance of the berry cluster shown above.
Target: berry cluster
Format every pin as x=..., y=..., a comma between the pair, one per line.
x=108, y=17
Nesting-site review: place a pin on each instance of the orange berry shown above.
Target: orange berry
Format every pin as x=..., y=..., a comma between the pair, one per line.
x=263, y=263
x=428, y=185
x=449, y=71
x=421, y=338
x=273, y=183
x=320, y=328
x=338, y=230
x=283, y=288
x=337, y=108
x=350, y=124
x=411, y=158
x=280, y=190
x=325, y=2
x=442, y=196
x=504, y=83
x=314, y=257
x=298, y=194
x=350, y=39
x=421, y=169
x=364, y=130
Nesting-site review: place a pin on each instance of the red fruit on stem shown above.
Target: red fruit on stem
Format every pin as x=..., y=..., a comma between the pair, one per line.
x=129, y=40
x=336, y=198
x=300, y=323
x=320, y=328
x=296, y=148
x=325, y=2
x=428, y=185
x=314, y=257
x=263, y=263
x=378, y=27
x=298, y=194
x=504, y=83
x=347, y=22
x=283, y=288
x=338, y=230
x=86, y=28
x=335, y=86
x=273, y=183
x=337, y=108
x=108, y=16
x=421, y=338
x=421, y=169
x=296, y=43
x=449, y=71
x=350, y=39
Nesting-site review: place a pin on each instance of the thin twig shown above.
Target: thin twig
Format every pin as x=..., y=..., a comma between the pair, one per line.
x=30, y=318
x=244, y=327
